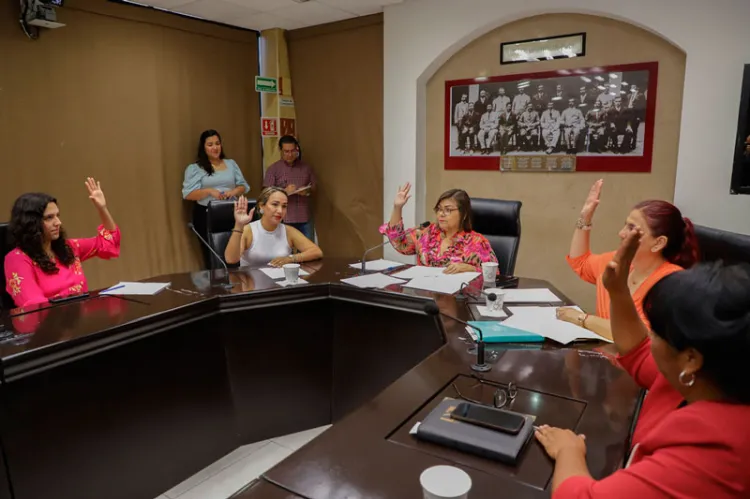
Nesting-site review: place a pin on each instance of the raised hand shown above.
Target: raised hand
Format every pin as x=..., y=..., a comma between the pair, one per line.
x=241, y=216
x=592, y=201
x=615, y=277
x=95, y=193
x=402, y=196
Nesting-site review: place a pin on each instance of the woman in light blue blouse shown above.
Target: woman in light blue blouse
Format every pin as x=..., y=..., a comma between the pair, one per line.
x=211, y=177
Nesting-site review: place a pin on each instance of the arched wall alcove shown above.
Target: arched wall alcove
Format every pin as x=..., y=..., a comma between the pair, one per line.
x=552, y=201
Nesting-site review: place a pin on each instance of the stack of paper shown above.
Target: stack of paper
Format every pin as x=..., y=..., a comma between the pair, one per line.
x=544, y=321
x=135, y=288
x=372, y=281
x=286, y=283
x=420, y=271
x=378, y=265
x=484, y=311
x=442, y=283
x=278, y=273
x=531, y=295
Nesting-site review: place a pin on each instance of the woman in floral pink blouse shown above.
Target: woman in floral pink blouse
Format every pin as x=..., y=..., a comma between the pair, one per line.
x=451, y=243
x=44, y=263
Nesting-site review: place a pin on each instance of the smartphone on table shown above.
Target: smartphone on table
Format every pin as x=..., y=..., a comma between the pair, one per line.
x=489, y=417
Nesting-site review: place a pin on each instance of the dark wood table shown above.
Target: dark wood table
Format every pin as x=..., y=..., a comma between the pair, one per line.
x=261, y=489
x=124, y=398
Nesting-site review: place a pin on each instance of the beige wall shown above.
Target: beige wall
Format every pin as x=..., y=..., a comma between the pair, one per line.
x=122, y=93
x=338, y=90
x=552, y=201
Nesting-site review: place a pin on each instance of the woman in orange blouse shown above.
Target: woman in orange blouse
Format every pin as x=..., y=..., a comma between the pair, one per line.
x=668, y=245
x=44, y=263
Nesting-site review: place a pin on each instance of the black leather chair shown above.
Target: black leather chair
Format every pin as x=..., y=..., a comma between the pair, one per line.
x=717, y=244
x=220, y=221
x=500, y=222
x=6, y=301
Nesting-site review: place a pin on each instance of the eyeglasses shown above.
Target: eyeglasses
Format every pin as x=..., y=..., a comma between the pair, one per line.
x=445, y=211
x=503, y=396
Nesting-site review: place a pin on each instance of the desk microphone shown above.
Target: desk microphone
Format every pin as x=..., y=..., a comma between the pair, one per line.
x=225, y=285
x=481, y=366
x=462, y=293
x=420, y=226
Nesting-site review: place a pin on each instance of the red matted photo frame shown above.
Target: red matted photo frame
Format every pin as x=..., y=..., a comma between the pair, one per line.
x=613, y=131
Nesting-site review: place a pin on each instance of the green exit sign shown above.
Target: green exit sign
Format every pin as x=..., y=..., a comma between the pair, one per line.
x=264, y=84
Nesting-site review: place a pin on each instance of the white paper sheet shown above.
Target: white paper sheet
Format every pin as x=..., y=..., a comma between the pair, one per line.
x=485, y=312
x=544, y=321
x=285, y=283
x=531, y=295
x=377, y=265
x=278, y=273
x=444, y=283
x=135, y=288
x=372, y=281
x=420, y=271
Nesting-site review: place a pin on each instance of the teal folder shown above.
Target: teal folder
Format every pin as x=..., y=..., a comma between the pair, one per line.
x=495, y=332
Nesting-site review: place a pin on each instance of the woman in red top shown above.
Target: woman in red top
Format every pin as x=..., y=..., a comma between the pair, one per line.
x=44, y=263
x=697, y=353
x=668, y=245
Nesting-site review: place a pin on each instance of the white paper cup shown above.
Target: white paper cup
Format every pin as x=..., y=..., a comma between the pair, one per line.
x=497, y=304
x=291, y=272
x=489, y=273
x=445, y=482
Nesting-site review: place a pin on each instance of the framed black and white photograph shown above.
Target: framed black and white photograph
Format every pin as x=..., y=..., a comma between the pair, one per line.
x=602, y=117
x=741, y=164
x=543, y=49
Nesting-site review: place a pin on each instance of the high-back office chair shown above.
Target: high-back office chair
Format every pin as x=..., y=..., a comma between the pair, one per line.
x=500, y=222
x=220, y=221
x=717, y=244
x=6, y=301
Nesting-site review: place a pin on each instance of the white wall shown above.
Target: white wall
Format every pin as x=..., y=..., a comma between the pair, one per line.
x=420, y=35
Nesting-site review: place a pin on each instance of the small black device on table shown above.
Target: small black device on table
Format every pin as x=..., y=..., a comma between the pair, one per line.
x=489, y=417
x=64, y=299
x=506, y=281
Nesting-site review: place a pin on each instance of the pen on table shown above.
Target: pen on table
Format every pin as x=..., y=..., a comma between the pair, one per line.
x=112, y=289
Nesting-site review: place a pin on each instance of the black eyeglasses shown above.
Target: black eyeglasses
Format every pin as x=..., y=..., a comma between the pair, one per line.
x=503, y=396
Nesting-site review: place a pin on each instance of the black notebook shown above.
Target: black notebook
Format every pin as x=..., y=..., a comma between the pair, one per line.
x=439, y=428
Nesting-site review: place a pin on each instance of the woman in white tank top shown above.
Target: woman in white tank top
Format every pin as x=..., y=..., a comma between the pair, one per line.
x=267, y=241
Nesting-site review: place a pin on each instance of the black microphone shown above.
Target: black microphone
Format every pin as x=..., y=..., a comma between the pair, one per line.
x=462, y=291
x=481, y=366
x=421, y=226
x=225, y=285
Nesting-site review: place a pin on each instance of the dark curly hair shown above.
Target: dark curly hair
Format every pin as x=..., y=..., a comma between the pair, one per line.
x=203, y=160
x=26, y=231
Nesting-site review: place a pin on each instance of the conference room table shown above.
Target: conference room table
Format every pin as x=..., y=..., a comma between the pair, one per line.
x=125, y=397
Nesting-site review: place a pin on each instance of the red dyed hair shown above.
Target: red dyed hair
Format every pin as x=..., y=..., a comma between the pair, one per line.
x=665, y=219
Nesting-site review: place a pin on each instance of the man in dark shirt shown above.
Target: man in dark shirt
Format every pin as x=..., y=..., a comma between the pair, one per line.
x=468, y=128
x=292, y=174
x=621, y=125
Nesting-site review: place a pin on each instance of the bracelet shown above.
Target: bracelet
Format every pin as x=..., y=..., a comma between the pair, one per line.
x=237, y=231
x=294, y=258
x=583, y=321
x=580, y=224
